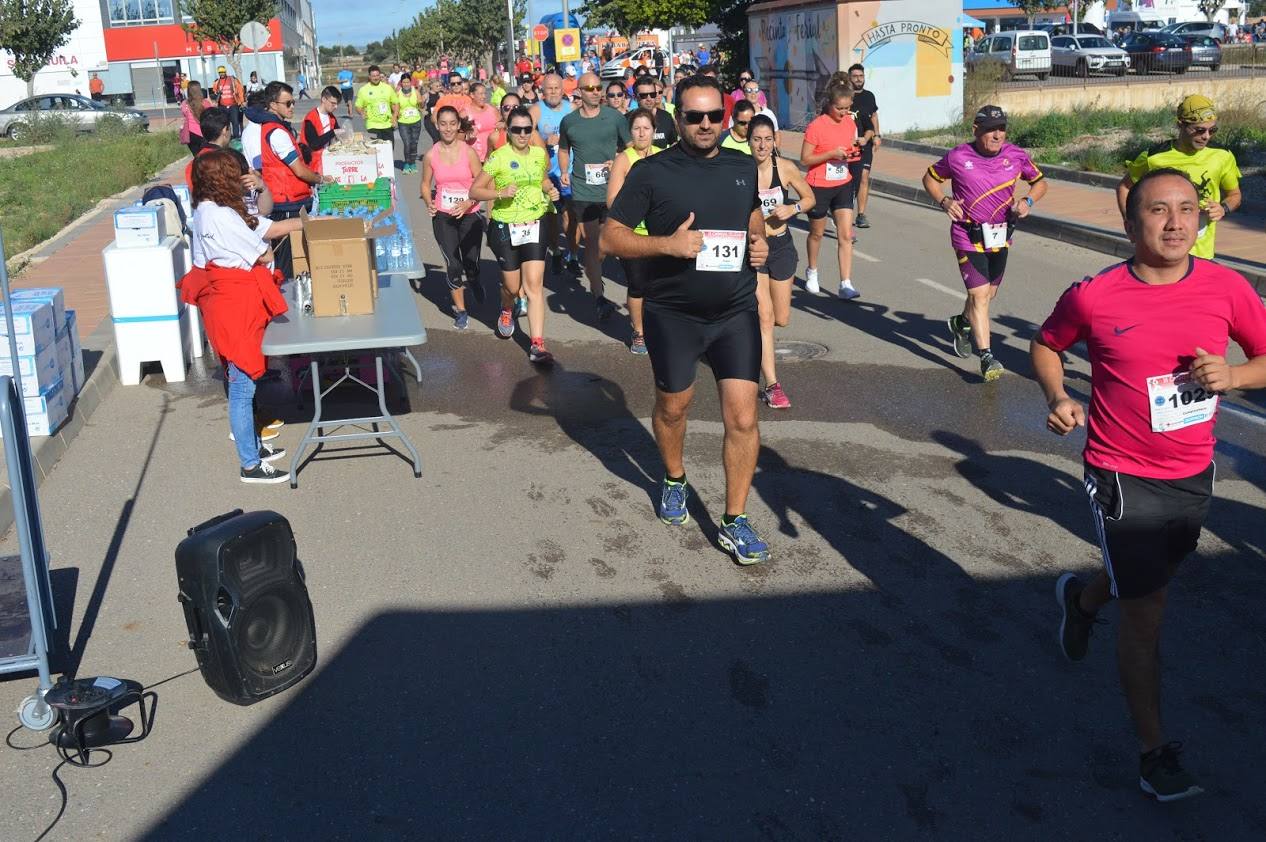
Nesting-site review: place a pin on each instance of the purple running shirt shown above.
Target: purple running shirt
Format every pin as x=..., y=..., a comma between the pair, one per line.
x=985, y=184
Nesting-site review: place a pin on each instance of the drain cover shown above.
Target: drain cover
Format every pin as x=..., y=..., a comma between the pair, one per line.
x=794, y=351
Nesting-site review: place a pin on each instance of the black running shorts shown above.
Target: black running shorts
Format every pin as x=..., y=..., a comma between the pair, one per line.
x=781, y=263
x=509, y=257
x=1146, y=527
x=677, y=342
x=827, y=200
x=589, y=211
x=347, y=95
x=634, y=276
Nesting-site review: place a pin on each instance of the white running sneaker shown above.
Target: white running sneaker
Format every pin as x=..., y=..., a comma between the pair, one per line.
x=811, y=281
x=848, y=292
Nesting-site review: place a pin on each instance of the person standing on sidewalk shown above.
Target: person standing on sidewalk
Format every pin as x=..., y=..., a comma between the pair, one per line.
x=982, y=211
x=289, y=179
x=374, y=102
x=191, y=112
x=1157, y=329
x=228, y=94
x=1213, y=171
x=406, y=108
x=866, y=115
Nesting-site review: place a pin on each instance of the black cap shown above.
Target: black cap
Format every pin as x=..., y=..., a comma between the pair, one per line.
x=990, y=117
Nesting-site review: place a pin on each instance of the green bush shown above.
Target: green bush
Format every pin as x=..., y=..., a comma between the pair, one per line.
x=43, y=128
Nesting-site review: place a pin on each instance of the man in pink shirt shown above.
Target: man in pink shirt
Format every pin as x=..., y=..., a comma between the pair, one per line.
x=1156, y=328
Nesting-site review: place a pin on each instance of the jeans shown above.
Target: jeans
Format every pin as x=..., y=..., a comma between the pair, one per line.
x=242, y=416
x=409, y=134
x=383, y=134
x=235, y=120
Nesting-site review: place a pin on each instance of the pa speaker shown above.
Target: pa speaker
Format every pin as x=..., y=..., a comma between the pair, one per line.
x=246, y=605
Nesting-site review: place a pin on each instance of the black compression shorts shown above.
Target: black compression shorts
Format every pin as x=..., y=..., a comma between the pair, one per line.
x=781, y=263
x=827, y=200
x=509, y=257
x=1146, y=527
x=589, y=211
x=676, y=343
x=634, y=276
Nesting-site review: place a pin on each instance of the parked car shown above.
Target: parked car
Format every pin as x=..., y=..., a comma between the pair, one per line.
x=1018, y=52
x=16, y=119
x=1157, y=51
x=1083, y=28
x=1205, y=51
x=1216, y=31
x=654, y=59
x=1085, y=54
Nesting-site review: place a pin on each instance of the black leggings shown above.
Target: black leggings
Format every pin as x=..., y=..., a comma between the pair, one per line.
x=459, y=239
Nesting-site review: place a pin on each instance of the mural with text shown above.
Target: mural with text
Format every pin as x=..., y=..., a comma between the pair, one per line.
x=794, y=52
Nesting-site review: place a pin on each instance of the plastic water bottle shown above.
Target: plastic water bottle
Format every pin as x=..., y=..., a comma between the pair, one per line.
x=406, y=254
x=395, y=263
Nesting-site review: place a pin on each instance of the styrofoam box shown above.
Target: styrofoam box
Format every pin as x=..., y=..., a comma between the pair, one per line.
x=38, y=372
x=138, y=226
x=53, y=295
x=186, y=200
x=32, y=325
x=142, y=281
x=76, y=351
x=350, y=169
x=63, y=357
x=46, y=411
x=385, y=150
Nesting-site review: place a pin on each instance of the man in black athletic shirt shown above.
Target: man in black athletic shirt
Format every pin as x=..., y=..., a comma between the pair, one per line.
x=705, y=235
x=866, y=115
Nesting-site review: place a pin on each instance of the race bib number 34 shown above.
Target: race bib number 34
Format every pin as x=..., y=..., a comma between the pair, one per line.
x=723, y=251
x=1178, y=401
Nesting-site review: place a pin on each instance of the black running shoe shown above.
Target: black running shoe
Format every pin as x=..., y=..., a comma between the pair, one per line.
x=605, y=309
x=476, y=286
x=1162, y=776
x=264, y=473
x=1074, y=626
x=573, y=266
x=862, y=221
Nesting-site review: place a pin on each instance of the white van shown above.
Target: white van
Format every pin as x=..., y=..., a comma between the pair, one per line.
x=652, y=58
x=1017, y=52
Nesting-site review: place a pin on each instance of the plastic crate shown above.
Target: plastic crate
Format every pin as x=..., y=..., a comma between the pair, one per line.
x=333, y=197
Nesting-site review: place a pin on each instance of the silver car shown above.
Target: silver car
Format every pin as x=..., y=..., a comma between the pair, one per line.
x=1216, y=31
x=1082, y=55
x=16, y=119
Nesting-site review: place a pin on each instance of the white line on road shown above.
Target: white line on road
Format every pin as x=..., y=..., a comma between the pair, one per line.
x=864, y=256
x=927, y=282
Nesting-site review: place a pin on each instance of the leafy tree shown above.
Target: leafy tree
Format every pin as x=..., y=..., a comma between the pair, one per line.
x=33, y=30
x=1031, y=8
x=1209, y=8
x=466, y=29
x=220, y=21
x=629, y=17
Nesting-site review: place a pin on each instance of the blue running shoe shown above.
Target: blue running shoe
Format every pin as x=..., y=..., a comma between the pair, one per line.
x=461, y=320
x=520, y=306
x=740, y=540
x=672, y=503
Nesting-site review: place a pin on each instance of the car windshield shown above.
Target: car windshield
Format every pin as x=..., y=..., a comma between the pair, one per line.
x=1094, y=43
x=1032, y=42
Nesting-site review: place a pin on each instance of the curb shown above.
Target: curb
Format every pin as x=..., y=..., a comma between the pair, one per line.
x=46, y=451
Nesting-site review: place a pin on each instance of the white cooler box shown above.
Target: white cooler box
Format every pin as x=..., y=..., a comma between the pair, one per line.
x=145, y=307
x=139, y=226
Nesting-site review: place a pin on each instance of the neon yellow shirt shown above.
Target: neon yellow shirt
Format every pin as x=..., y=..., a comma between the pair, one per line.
x=732, y=142
x=527, y=171
x=1213, y=171
x=631, y=154
x=410, y=110
x=375, y=101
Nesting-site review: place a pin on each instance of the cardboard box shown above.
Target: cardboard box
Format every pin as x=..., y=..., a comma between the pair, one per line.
x=38, y=372
x=32, y=325
x=138, y=226
x=46, y=412
x=63, y=357
x=385, y=150
x=340, y=258
x=350, y=169
x=76, y=352
x=53, y=295
x=298, y=257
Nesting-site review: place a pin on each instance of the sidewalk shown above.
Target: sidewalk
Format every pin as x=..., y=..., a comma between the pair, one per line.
x=1241, y=238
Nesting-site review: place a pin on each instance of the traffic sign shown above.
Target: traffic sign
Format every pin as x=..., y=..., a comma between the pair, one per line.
x=540, y=32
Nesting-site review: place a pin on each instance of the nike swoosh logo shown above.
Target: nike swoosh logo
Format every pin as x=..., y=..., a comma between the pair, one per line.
x=1120, y=330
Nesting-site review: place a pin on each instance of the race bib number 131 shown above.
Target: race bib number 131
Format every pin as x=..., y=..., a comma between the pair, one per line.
x=723, y=251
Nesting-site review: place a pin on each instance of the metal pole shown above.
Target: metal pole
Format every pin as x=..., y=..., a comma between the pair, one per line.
x=162, y=85
x=509, y=35
x=1076, y=4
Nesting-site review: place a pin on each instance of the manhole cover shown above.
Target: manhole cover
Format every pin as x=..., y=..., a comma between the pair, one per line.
x=795, y=350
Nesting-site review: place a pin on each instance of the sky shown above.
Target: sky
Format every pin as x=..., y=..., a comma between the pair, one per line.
x=340, y=22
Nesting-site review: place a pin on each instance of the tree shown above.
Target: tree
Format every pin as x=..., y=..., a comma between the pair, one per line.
x=220, y=21
x=467, y=29
x=629, y=17
x=1209, y=8
x=1030, y=8
x=33, y=30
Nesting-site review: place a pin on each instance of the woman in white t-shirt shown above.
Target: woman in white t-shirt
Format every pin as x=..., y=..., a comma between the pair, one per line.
x=235, y=287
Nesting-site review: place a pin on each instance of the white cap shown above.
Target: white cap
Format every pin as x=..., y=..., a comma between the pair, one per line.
x=571, y=70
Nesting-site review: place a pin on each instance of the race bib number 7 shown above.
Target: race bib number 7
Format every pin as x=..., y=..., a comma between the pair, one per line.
x=1178, y=401
x=995, y=235
x=723, y=251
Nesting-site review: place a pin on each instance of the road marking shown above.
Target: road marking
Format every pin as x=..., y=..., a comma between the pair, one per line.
x=864, y=256
x=927, y=282
x=1246, y=414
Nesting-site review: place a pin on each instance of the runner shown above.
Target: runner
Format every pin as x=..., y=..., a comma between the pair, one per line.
x=665, y=126
x=642, y=130
x=500, y=137
x=736, y=137
x=830, y=142
x=345, y=79
x=774, y=280
x=406, y=110
x=618, y=97
x=589, y=138
x=374, y=103
x=1156, y=328
x=433, y=94
x=547, y=116
x=483, y=118
x=705, y=233
x=449, y=168
x=1213, y=171
x=318, y=128
x=982, y=212
x=866, y=115
x=527, y=90
x=516, y=179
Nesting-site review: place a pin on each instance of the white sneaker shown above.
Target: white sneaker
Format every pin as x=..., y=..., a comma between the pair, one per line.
x=811, y=281
x=848, y=292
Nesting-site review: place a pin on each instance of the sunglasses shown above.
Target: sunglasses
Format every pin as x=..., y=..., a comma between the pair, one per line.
x=742, y=122
x=646, y=95
x=520, y=130
x=507, y=108
x=285, y=103
x=616, y=95
x=1199, y=130
x=694, y=118
x=591, y=89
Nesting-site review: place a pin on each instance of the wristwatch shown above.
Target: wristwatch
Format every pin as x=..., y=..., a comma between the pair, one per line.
x=797, y=207
x=1226, y=209
x=1029, y=199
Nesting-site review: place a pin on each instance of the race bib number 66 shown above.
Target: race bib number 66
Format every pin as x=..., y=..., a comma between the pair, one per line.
x=1178, y=401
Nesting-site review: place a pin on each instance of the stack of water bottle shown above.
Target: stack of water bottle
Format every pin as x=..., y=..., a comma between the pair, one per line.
x=395, y=253
x=49, y=356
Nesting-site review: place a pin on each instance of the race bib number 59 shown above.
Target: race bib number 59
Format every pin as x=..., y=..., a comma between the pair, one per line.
x=723, y=251
x=1178, y=401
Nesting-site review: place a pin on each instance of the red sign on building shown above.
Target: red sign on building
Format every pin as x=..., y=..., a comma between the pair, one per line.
x=137, y=43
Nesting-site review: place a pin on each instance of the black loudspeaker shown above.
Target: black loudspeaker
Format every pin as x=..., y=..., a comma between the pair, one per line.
x=246, y=605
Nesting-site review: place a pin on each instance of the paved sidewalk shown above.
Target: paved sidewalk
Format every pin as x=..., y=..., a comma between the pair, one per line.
x=1242, y=237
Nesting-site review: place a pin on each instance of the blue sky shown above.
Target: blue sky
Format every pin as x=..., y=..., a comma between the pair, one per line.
x=340, y=22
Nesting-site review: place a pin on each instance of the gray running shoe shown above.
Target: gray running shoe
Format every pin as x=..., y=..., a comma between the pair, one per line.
x=1074, y=626
x=960, y=333
x=1162, y=776
x=990, y=368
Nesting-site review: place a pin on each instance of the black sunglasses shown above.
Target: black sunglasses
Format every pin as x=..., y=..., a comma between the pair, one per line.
x=694, y=118
x=615, y=95
x=646, y=94
x=520, y=130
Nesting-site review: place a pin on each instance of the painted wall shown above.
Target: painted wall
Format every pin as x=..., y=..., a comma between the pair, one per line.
x=794, y=52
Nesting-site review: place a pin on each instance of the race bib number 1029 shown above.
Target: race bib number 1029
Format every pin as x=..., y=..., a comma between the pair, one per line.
x=1178, y=401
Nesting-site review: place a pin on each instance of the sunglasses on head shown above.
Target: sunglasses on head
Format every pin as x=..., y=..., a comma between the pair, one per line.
x=520, y=130
x=694, y=118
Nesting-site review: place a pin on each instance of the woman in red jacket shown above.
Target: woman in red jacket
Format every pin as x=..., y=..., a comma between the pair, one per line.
x=234, y=285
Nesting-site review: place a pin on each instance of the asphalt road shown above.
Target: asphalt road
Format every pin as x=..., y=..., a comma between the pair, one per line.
x=514, y=647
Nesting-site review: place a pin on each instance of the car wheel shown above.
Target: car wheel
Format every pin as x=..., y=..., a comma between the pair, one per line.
x=1180, y=70
x=1213, y=68
x=1082, y=70
x=1121, y=72
x=16, y=132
